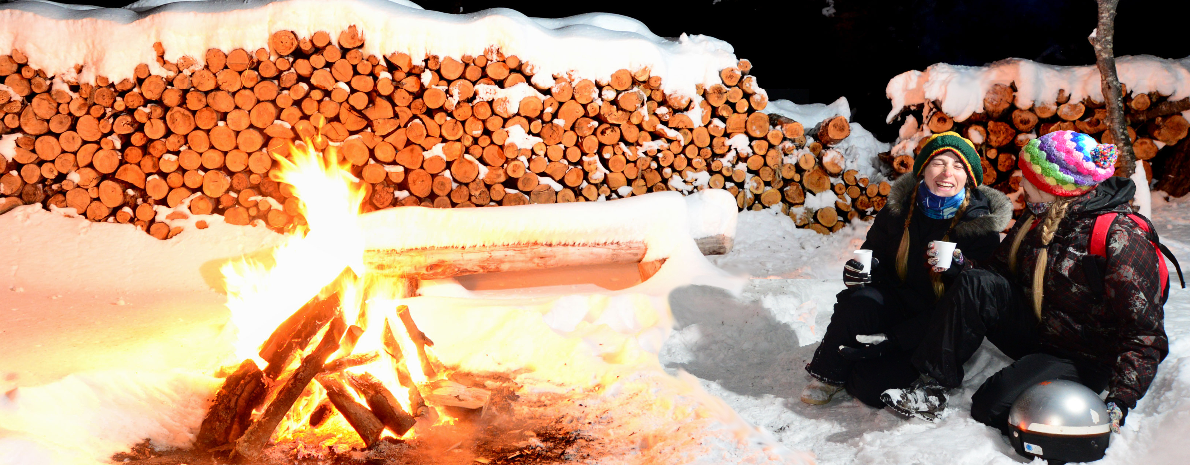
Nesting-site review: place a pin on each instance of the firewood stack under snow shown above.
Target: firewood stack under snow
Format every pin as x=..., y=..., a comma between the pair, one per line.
x=1022, y=100
x=440, y=131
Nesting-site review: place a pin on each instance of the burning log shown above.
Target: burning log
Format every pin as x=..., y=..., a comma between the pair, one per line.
x=251, y=444
x=417, y=404
x=227, y=419
x=350, y=361
x=361, y=419
x=428, y=366
x=296, y=332
x=382, y=402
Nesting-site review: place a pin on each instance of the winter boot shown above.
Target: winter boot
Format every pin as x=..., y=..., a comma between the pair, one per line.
x=925, y=399
x=819, y=393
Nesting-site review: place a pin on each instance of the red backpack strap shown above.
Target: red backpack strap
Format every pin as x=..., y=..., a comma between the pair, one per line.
x=1098, y=245
x=1162, y=270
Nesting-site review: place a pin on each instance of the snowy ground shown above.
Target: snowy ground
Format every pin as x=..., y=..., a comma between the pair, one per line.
x=109, y=337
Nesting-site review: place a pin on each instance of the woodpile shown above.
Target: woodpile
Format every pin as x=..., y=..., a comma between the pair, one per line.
x=416, y=130
x=1157, y=129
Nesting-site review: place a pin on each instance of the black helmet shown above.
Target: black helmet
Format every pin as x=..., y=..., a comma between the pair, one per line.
x=1060, y=421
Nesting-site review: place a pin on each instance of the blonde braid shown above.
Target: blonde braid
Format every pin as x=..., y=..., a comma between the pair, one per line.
x=1053, y=217
x=903, y=249
x=1026, y=224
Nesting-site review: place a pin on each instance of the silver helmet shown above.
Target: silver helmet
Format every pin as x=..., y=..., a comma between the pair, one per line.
x=1061, y=421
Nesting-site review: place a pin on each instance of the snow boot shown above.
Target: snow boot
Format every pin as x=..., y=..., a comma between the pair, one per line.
x=819, y=393
x=925, y=399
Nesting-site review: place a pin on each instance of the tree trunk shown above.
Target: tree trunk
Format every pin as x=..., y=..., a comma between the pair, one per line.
x=1105, y=60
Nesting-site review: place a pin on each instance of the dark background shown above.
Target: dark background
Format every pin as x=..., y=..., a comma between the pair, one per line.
x=800, y=54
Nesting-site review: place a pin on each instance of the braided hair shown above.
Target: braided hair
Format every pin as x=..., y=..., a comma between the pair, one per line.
x=1049, y=226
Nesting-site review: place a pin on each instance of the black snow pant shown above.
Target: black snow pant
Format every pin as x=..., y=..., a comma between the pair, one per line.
x=981, y=304
x=866, y=310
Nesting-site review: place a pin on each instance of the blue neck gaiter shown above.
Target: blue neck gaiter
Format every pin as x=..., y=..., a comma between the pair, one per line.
x=936, y=207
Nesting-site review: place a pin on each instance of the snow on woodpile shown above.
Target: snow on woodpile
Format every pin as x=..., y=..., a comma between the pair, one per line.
x=960, y=90
x=161, y=112
x=1003, y=105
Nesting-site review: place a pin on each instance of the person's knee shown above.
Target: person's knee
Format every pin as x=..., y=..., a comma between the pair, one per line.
x=992, y=401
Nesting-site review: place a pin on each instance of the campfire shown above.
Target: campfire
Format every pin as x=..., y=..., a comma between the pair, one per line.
x=349, y=349
x=332, y=358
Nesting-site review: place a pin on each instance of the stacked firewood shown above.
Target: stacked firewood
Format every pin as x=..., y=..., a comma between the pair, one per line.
x=439, y=131
x=1155, y=126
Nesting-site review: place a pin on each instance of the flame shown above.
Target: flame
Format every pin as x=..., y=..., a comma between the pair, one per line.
x=260, y=294
x=263, y=292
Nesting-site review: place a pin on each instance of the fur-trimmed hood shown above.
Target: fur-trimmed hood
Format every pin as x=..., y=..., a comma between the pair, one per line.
x=988, y=210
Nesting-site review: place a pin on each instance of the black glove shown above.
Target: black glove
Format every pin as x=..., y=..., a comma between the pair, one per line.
x=853, y=274
x=1117, y=411
x=871, y=346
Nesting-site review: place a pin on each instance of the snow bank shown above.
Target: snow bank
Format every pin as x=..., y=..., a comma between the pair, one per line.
x=960, y=89
x=111, y=42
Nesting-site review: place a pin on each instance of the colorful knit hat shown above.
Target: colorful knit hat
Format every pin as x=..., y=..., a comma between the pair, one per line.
x=1067, y=163
x=950, y=141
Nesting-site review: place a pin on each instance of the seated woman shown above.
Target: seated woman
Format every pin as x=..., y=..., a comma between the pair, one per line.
x=941, y=201
x=1044, y=300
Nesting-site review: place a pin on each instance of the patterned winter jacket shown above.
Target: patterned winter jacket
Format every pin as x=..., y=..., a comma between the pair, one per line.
x=1122, y=327
x=977, y=234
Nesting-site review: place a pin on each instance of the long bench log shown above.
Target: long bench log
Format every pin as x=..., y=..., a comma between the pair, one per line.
x=440, y=263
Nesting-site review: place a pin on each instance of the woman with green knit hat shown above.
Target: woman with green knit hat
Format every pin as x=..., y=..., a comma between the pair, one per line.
x=1050, y=298
x=879, y=318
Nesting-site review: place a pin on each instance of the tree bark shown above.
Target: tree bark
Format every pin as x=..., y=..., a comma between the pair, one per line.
x=1105, y=60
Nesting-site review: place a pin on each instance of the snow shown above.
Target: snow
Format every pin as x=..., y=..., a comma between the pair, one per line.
x=708, y=354
x=110, y=42
x=960, y=89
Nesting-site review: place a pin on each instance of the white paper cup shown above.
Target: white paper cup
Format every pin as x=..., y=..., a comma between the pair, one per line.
x=865, y=257
x=943, y=252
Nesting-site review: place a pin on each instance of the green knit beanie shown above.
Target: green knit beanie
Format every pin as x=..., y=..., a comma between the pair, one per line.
x=953, y=142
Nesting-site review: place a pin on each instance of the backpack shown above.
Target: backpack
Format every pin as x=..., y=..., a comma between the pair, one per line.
x=1097, y=252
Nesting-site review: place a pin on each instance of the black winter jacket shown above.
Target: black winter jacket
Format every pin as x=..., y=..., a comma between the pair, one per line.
x=1122, y=328
x=977, y=234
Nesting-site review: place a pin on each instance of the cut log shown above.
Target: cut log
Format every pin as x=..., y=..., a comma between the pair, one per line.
x=382, y=402
x=229, y=415
x=365, y=423
x=997, y=99
x=250, y=446
x=1071, y=111
x=832, y=130
x=296, y=332
x=1024, y=120
x=939, y=122
x=816, y=181
x=1000, y=134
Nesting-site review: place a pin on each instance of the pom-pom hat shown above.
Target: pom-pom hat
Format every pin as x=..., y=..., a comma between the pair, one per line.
x=1067, y=163
x=950, y=141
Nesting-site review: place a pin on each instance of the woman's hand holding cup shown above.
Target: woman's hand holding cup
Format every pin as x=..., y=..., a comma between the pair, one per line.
x=943, y=256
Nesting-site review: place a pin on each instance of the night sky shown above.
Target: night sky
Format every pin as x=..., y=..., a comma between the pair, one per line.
x=800, y=54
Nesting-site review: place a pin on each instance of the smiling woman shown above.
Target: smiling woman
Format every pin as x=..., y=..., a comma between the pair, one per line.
x=878, y=320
